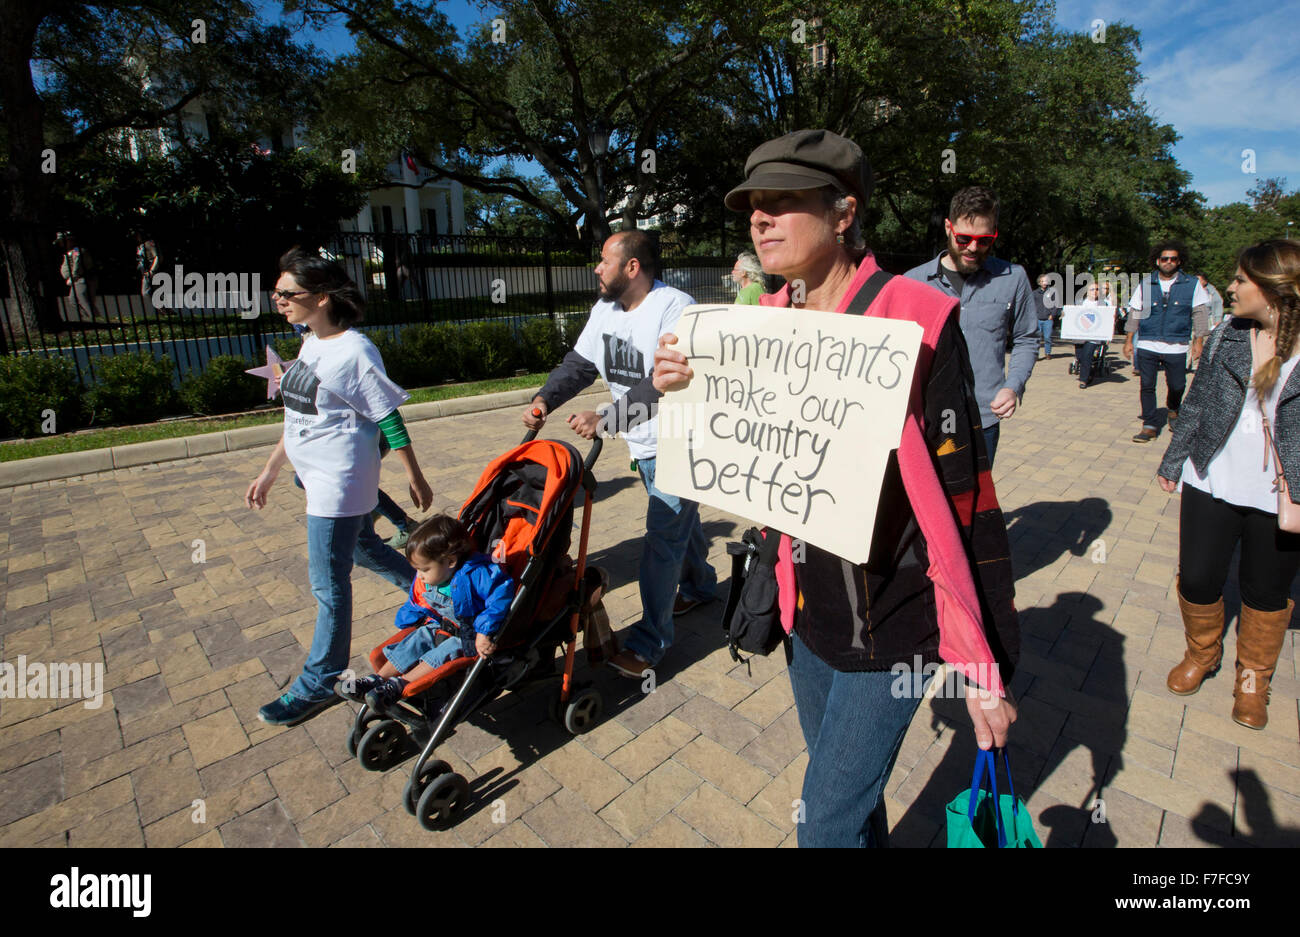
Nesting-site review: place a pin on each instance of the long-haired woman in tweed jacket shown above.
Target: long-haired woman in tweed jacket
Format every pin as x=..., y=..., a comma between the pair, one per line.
x=1220, y=453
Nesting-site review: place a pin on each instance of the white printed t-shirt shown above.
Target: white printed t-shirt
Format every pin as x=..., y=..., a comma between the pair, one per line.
x=1242, y=471
x=334, y=395
x=622, y=344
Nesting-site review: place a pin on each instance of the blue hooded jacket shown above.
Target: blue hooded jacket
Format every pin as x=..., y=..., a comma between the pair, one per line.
x=481, y=593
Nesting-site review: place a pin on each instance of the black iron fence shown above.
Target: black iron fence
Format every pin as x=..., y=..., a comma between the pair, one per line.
x=192, y=313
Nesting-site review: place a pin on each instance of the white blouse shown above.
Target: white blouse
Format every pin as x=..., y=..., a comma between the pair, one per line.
x=1238, y=473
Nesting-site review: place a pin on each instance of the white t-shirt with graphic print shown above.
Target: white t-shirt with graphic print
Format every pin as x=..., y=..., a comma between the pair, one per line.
x=622, y=344
x=334, y=395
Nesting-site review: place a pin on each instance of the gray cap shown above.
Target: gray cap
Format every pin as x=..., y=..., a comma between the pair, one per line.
x=805, y=159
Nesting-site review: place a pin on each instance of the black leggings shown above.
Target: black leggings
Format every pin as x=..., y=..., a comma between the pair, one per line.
x=1208, y=532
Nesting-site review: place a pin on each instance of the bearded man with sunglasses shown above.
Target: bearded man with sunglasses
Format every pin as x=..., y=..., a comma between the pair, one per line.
x=995, y=298
x=1168, y=308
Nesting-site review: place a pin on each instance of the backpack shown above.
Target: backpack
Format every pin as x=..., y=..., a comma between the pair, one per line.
x=751, y=620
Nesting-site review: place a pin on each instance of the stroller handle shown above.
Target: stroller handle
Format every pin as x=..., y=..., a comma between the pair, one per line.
x=592, y=455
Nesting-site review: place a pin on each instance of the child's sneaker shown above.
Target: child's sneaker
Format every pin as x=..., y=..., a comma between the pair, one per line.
x=356, y=690
x=386, y=693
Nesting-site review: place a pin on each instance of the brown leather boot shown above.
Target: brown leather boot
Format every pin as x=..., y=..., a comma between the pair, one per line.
x=1259, y=641
x=1203, y=628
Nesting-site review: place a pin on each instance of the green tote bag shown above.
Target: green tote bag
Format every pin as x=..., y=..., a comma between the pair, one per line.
x=980, y=820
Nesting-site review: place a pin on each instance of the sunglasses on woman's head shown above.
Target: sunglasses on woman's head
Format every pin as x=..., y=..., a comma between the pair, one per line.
x=979, y=239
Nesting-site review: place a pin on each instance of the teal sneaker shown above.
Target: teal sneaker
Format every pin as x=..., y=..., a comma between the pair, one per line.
x=398, y=540
x=289, y=710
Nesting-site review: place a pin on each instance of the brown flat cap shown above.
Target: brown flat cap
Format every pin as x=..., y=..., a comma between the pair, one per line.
x=805, y=159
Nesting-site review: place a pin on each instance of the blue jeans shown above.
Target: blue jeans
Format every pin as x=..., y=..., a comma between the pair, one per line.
x=333, y=545
x=675, y=554
x=991, y=434
x=391, y=510
x=853, y=727
x=1147, y=363
x=418, y=646
x=1045, y=330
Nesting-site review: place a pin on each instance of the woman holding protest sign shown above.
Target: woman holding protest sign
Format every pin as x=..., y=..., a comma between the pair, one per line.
x=920, y=597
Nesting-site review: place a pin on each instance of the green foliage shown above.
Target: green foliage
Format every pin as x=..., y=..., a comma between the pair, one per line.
x=287, y=348
x=223, y=387
x=573, y=326
x=540, y=345
x=1216, y=236
x=214, y=206
x=132, y=388
x=488, y=349
x=30, y=385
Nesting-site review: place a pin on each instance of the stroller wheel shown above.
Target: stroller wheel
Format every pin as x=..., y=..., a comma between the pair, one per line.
x=411, y=793
x=359, y=728
x=382, y=745
x=442, y=800
x=583, y=711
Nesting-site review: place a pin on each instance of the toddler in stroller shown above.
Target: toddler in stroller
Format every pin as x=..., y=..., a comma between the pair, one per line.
x=522, y=513
x=459, y=596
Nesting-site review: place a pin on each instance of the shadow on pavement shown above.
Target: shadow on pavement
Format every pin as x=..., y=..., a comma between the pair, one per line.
x=1040, y=533
x=1065, y=651
x=1257, y=812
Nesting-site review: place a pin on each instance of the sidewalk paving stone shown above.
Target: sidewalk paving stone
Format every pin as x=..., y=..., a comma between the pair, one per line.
x=104, y=568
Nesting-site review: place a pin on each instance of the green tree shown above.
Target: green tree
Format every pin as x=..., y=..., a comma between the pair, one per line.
x=75, y=75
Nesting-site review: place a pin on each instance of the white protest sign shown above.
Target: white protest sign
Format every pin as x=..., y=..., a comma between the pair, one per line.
x=790, y=418
x=1087, y=323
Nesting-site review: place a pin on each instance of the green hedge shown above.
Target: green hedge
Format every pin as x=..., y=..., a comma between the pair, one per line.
x=137, y=388
x=32, y=388
x=223, y=387
x=132, y=388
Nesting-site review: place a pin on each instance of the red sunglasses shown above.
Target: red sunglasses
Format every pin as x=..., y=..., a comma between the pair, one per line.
x=979, y=239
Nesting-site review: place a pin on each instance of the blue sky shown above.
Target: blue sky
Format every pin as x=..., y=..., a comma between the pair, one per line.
x=1226, y=76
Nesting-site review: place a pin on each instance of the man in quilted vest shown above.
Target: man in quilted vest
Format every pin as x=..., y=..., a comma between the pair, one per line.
x=1169, y=307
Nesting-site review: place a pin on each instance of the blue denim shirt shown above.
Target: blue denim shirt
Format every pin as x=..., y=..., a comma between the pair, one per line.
x=994, y=298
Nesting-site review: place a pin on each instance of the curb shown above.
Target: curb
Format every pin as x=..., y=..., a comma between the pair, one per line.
x=69, y=464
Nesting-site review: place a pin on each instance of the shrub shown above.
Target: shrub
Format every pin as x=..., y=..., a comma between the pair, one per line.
x=31, y=385
x=573, y=326
x=287, y=348
x=396, y=360
x=540, y=345
x=488, y=349
x=133, y=388
x=223, y=387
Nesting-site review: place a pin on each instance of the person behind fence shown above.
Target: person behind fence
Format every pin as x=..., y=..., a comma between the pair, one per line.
x=147, y=262
x=78, y=271
x=459, y=592
x=1239, y=428
x=805, y=194
x=337, y=401
x=1169, y=309
x=618, y=344
x=747, y=275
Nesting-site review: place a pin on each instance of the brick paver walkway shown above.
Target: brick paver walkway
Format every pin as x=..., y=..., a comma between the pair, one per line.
x=103, y=569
